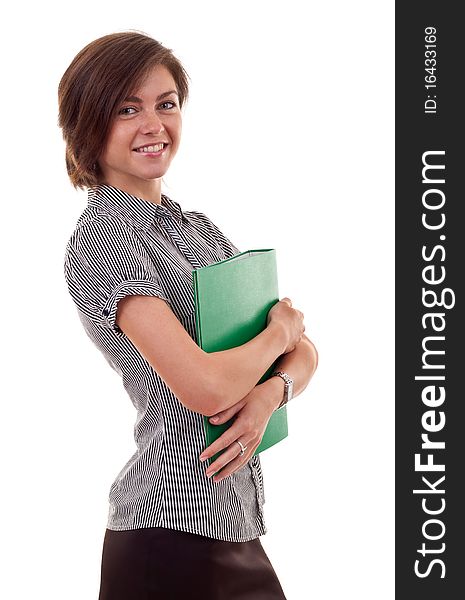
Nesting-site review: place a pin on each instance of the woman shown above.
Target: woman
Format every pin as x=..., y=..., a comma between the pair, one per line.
x=173, y=530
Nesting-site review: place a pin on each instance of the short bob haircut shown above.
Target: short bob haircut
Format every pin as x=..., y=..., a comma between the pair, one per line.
x=95, y=84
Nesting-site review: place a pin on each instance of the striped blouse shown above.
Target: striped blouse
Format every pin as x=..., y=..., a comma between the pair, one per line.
x=124, y=245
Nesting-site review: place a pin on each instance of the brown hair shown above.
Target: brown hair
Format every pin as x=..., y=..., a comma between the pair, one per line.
x=96, y=82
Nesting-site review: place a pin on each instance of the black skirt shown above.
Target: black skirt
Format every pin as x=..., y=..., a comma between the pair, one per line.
x=156, y=563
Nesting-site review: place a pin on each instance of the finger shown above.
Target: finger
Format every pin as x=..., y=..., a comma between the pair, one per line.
x=228, y=455
x=226, y=439
x=235, y=464
x=227, y=414
x=287, y=300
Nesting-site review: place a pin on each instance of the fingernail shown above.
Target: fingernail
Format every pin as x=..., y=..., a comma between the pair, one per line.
x=214, y=419
x=210, y=474
x=202, y=458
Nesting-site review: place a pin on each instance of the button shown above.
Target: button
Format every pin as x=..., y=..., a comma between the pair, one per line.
x=106, y=312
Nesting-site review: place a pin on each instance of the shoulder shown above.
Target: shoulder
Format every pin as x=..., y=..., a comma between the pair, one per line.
x=196, y=216
x=102, y=243
x=202, y=220
x=212, y=233
x=96, y=227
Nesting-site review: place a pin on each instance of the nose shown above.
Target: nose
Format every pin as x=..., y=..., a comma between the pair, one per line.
x=152, y=123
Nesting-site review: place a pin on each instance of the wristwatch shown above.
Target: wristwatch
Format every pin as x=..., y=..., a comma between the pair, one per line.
x=288, y=387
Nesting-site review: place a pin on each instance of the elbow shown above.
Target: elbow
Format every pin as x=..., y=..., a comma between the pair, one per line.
x=209, y=390
x=216, y=399
x=313, y=363
x=203, y=396
x=211, y=399
x=314, y=358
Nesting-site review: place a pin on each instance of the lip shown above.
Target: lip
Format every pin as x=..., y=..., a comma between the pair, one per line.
x=151, y=144
x=159, y=153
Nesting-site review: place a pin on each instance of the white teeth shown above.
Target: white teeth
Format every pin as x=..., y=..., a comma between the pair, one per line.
x=150, y=148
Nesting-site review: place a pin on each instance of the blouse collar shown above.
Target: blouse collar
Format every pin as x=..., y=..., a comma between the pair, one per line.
x=139, y=211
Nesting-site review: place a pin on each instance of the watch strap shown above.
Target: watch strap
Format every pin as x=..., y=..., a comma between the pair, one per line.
x=288, y=381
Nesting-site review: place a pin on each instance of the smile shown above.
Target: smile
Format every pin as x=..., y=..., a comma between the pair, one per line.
x=151, y=150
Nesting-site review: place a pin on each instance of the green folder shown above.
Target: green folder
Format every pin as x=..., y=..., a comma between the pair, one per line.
x=232, y=300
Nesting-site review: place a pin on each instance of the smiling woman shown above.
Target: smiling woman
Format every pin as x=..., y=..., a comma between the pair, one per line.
x=144, y=138
x=173, y=531
x=95, y=88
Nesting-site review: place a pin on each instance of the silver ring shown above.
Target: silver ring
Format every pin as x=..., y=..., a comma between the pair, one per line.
x=243, y=448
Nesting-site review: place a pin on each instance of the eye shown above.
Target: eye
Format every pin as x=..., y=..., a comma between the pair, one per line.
x=121, y=112
x=169, y=102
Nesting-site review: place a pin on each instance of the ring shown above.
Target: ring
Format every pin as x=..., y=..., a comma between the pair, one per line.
x=243, y=448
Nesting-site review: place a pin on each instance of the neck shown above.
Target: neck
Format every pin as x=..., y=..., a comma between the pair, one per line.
x=149, y=190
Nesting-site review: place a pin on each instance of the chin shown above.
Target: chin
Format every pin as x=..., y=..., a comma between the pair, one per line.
x=147, y=173
x=151, y=176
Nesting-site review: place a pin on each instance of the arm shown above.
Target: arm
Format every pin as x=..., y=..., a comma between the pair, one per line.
x=300, y=364
x=254, y=411
x=204, y=382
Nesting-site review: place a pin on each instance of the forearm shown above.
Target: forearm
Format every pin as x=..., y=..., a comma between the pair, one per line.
x=300, y=365
x=236, y=371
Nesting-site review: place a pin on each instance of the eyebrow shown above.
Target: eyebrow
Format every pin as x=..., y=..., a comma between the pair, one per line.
x=136, y=99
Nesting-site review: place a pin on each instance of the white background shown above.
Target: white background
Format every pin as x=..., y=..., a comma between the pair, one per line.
x=288, y=142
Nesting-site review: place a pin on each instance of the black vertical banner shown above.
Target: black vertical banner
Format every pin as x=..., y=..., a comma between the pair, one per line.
x=430, y=328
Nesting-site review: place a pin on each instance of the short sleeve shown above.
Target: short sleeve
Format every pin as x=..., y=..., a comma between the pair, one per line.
x=104, y=262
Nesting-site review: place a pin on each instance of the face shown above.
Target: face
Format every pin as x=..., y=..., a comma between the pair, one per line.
x=149, y=116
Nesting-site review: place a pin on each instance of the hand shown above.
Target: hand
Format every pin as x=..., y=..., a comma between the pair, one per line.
x=253, y=413
x=290, y=320
x=224, y=415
